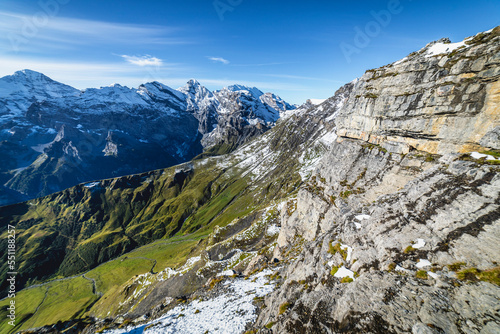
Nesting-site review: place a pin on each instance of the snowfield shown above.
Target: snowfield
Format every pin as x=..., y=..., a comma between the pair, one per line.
x=228, y=313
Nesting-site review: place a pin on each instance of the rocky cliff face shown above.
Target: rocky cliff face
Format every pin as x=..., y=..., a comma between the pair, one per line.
x=443, y=98
x=398, y=231
x=398, y=226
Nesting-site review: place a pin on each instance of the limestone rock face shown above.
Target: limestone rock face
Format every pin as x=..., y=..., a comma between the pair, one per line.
x=434, y=101
x=398, y=227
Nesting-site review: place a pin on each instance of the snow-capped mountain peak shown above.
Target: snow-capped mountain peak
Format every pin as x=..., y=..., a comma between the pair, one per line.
x=157, y=91
x=196, y=90
x=35, y=80
x=198, y=98
x=193, y=82
x=276, y=102
x=31, y=75
x=27, y=86
x=254, y=91
x=110, y=95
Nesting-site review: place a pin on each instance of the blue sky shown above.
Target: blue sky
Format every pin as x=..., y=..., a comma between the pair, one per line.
x=296, y=49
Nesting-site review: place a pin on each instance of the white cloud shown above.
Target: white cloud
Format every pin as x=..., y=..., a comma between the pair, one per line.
x=21, y=32
x=146, y=60
x=219, y=59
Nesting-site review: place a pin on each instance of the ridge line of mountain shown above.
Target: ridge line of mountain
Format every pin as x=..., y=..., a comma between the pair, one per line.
x=55, y=136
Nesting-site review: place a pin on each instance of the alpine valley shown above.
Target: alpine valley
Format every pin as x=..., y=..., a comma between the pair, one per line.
x=376, y=211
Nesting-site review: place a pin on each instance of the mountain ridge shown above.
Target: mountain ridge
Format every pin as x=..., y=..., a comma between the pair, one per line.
x=116, y=130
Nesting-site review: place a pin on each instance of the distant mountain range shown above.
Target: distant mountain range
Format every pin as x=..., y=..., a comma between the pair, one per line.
x=53, y=136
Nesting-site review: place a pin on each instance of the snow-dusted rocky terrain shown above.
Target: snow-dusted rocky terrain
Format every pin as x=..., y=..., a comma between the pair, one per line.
x=227, y=313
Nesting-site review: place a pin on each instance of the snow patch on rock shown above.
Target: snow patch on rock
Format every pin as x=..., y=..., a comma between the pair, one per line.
x=422, y=263
x=227, y=313
x=344, y=272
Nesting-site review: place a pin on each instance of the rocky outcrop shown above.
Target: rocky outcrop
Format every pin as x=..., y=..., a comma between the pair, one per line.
x=443, y=98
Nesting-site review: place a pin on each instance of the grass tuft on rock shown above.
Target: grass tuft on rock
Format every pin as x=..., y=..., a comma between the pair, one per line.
x=475, y=275
x=422, y=274
x=334, y=270
x=456, y=266
x=409, y=249
x=346, y=279
x=284, y=307
x=270, y=324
